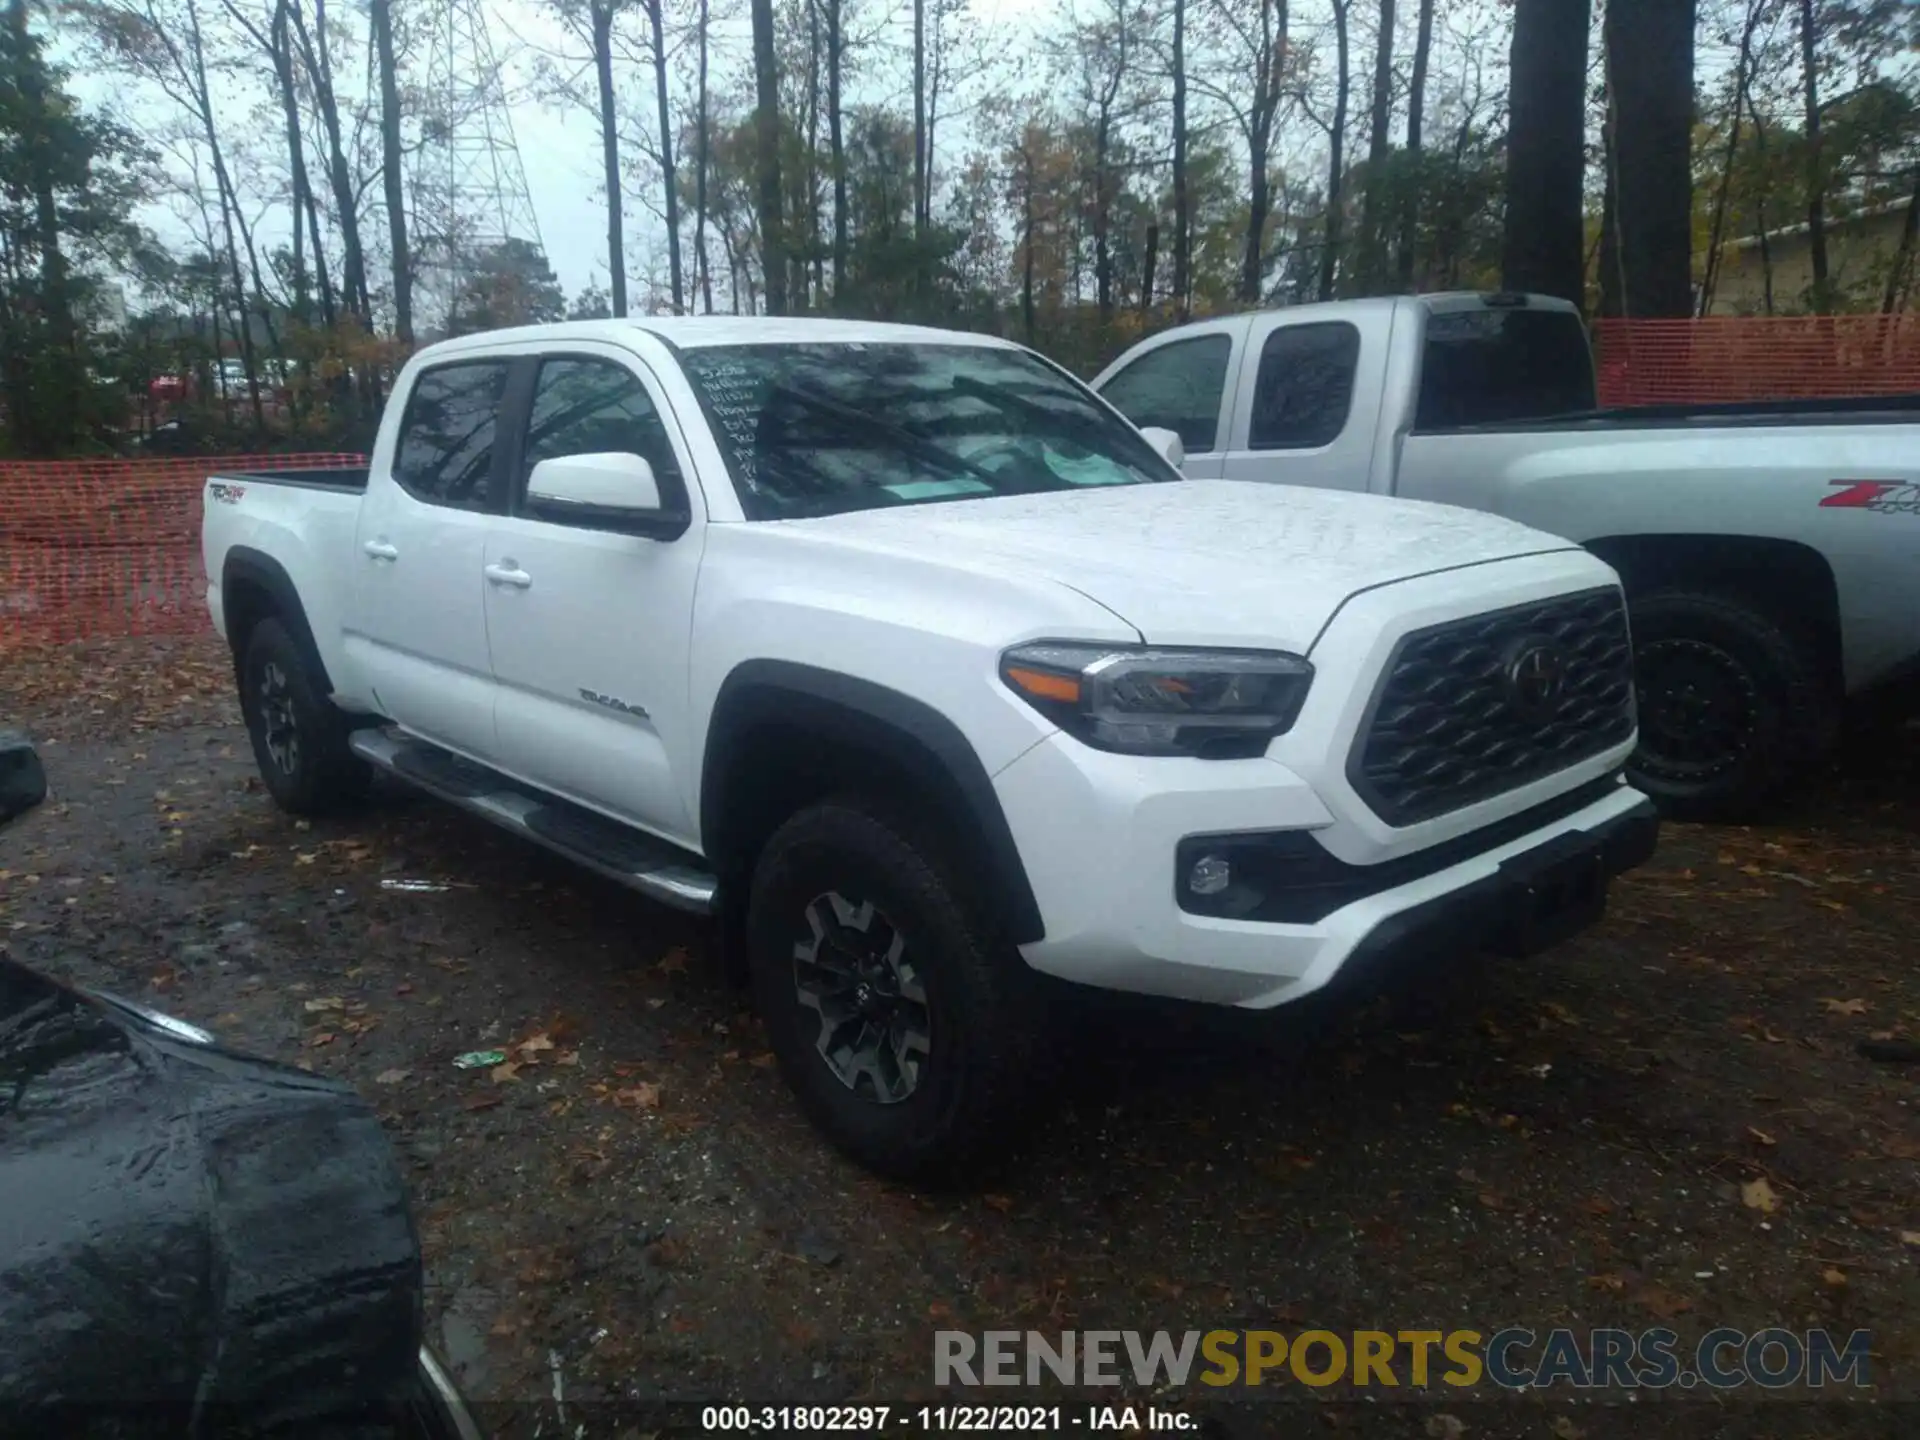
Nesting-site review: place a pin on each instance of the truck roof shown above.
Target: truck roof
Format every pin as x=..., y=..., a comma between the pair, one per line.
x=699, y=331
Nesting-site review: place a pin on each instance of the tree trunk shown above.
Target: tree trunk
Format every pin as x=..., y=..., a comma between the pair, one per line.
x=1716, y=235
x=1899, y=277
x=1026, y=229
x=280, y=52
x=1373, y=219
x=812, y=152
x=1650, y=96
x=1182, y=222
x=203, y=96
x=919, y=140
x=62, y=409
x=1543, y=247
x=1336, y=145
x=700, y=171
x=601, y=15
x=1416, y=112
x=319, y=62
x=1268, y=74
x=390, y=163
x=836, y=147
x=1760, y=204
x=655, y=13
x=1102, y=219
x=773, y=250
x=1816, y=166
x=1146, y=272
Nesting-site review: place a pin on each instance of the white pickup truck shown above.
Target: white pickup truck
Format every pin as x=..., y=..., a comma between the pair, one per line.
x=1767, y=550
x=912, y=662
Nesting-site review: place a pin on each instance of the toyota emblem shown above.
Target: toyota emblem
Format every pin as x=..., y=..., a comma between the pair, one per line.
x=1534, y=678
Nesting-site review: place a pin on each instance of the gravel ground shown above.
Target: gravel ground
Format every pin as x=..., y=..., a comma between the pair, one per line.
x=1668, y=1123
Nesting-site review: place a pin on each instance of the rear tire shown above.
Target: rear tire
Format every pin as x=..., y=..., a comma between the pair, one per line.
x=299, y=736
x=1734, y=707
x=908, y=1027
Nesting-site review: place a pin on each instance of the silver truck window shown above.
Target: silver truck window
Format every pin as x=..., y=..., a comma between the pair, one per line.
x=587, y=407
x=1503, y=367
x=1304, y=388
x=1177, y=387
x=445, y=453
x=816, y=429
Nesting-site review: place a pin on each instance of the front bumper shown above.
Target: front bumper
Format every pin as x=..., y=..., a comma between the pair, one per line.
x=1100, y=834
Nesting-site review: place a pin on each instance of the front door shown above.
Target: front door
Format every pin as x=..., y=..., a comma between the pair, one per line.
x=588, y=629
x=418, y=627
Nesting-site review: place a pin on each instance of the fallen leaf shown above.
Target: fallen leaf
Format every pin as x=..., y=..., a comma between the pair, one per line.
x=655, y=1003
x=1607, y=1282
x=403, y=988
x=1002, y=1203
x=1563, y=1428
x=1760, y=1135
x=325, y=1002
x=503, y=1073
x=567, y=1057
x=674, y=962
x=482, y=1102
x=762, y=1060
x=1834, y=1277
x=1491, y=1200
x=1910, y=1237
x=1445, y=1427
x=391, y=1077
x=325, y=1037
x=1844, y=1007
x=643, y=1096
x=1757, y=1194
x=308, y=858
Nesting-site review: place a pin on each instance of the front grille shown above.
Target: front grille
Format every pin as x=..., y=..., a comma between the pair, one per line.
x=1453, y=723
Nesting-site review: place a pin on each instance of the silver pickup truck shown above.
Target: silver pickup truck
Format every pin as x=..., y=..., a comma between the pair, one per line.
x=1768, y=550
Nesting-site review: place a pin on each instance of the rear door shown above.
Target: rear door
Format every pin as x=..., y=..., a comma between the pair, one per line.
x=590, y=633
x=419, y=628
x=1301, y=416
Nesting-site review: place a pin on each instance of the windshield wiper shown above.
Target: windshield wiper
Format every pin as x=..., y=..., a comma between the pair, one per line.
x=860, y=421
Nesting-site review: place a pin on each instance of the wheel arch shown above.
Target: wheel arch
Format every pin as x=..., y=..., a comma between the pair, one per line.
x=784, y=734
x=254, y=587
x=1789, y=582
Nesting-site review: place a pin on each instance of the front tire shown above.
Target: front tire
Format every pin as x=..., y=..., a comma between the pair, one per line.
x=909, y=1029
x=299, y=736
x=1734, y=708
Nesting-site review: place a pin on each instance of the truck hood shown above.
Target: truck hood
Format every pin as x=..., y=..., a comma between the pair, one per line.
x=1200, y=562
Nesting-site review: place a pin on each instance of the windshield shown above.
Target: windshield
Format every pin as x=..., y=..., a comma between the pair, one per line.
x=819, y=429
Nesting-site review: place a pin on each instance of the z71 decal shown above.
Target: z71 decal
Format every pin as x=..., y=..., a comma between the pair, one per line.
x=1890, y=497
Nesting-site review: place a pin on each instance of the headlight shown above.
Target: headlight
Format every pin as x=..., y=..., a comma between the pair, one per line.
x=1215, y=704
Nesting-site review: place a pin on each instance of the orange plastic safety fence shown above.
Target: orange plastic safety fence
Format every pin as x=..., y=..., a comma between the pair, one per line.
x=1735, y=358
x=103, y=548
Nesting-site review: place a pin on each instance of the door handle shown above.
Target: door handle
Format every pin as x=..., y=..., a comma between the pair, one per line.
x=380, y=550
x=507, y=573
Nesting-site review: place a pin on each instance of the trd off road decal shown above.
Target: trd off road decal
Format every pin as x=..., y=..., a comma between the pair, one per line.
x=1890, y=497
x=227, y=494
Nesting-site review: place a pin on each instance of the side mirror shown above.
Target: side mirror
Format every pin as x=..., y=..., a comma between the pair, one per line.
x=611, y=490
x=1166, y=443
x=23, y=780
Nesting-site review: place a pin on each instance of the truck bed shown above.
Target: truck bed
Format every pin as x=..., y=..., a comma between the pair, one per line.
x=351, y=478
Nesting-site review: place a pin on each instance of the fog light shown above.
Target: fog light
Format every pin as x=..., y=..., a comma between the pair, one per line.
x=1211, y=875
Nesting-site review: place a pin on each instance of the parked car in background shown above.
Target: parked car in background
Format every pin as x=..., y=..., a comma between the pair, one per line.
x=1767, y=550
x=925, y=672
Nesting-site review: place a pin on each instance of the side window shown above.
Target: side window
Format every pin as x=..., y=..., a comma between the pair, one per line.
x=1176, y=387
x=587, y=407
x=1305, y=386
x=445, y=454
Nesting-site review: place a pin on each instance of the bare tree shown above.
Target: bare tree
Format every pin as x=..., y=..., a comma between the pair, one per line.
x=1373, y=236
x=1182, y=217
x=1258, y=31
x=766, y=74
x=381, y=14
x=656, y=20
x=1336, y=148
x=1416, y=117
x=1816, y=166
x=1544, y=245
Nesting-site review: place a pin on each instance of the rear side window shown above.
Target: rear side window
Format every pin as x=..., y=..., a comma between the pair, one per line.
x=445, y=455
x=589, y=407
x=1305, y=386
x=1494, y=367
x=1177, y=387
